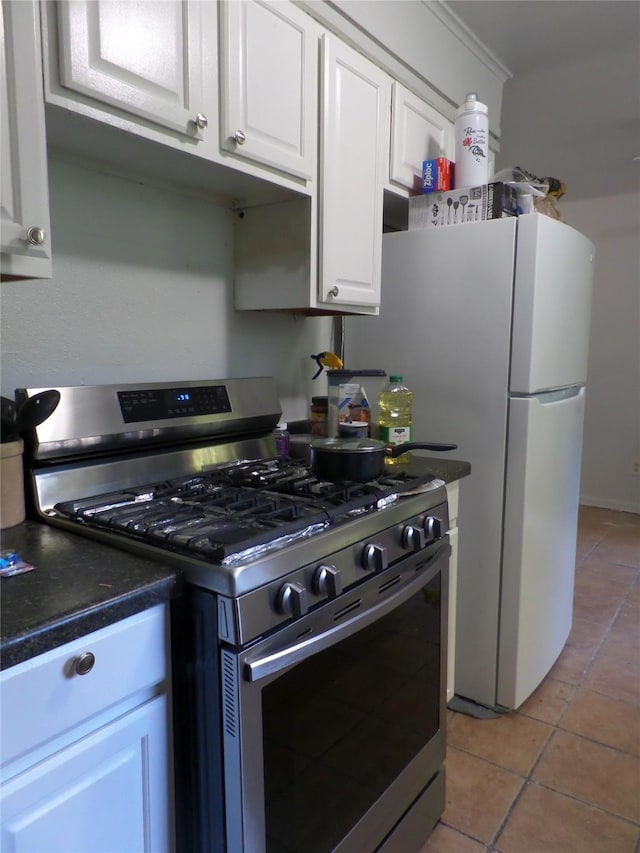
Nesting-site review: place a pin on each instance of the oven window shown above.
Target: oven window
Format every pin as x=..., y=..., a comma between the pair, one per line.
x=341, y=726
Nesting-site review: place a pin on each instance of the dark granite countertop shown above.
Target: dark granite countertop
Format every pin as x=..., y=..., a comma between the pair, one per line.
x=443, y=467
x=78, y=586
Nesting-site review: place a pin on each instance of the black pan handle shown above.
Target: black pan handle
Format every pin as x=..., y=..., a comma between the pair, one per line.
x=399, y=449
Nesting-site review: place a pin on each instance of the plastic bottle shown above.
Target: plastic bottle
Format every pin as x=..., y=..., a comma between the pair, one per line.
x=472, y=143
x=282, y=439
x=395, y=416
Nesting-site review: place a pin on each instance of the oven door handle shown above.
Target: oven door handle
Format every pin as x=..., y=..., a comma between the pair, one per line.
x=275, y=662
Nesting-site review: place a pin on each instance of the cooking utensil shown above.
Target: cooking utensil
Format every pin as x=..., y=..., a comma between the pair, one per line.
x=359, y=459
x=36, y=409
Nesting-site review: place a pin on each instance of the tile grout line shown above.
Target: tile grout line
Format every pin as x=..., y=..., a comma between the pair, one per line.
x=555, y=727
x=525, y=782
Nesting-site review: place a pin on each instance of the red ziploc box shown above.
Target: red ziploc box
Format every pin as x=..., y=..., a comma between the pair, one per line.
x=437, y=175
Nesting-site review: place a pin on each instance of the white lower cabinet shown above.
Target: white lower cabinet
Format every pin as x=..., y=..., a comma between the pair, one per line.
x=86, y=744
x=452, y=499
x=25, y=240
x=107, y=792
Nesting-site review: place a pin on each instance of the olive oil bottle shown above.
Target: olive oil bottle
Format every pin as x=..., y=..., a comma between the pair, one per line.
x=395, y=416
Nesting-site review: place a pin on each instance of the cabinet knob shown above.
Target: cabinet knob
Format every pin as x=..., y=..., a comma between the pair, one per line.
x=202, y=122
x=36, y=236
x=335, y=290
x=239, y=137
x=84, y=663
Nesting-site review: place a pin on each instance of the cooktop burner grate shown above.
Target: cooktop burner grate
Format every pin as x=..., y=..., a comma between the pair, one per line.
x=233, y=508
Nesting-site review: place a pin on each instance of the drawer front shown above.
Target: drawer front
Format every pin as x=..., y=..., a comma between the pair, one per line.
x=47, y=695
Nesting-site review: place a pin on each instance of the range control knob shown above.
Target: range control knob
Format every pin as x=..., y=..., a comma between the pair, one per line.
x=292, y=600
x=375, y=557
x=327, y=581
x=413, y=538
x=432, y=527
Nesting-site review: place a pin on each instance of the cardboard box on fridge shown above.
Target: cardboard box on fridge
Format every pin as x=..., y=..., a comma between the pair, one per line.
x=466, y=204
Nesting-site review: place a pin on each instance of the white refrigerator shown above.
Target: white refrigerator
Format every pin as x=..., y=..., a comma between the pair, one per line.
x=488, y=323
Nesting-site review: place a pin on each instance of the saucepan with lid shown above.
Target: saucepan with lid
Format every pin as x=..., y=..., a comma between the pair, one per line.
x=359, y=459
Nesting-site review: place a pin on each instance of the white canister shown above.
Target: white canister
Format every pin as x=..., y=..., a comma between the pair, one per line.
x=472, y=143
x=12, y=509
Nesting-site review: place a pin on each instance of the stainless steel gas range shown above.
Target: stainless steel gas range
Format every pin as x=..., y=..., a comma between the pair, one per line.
x=309, y=650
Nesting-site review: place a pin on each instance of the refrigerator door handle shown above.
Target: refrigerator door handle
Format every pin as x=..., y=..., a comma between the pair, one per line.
x=548, y=398
x=551, y=397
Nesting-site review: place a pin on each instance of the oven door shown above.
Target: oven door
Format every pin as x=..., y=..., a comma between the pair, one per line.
x=334, y=727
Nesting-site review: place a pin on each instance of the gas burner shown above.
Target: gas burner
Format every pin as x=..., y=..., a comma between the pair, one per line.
x=236, y=507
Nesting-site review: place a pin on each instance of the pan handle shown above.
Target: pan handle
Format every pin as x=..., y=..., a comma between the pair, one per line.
x=399, y=449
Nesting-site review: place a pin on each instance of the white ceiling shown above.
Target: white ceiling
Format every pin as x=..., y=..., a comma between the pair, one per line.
x=572, y=107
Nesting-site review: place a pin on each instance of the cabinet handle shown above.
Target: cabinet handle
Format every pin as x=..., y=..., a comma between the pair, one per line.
x=202, y=122
x=334, y=290
x=36, y=236
x=84, y=663
x=239, y=137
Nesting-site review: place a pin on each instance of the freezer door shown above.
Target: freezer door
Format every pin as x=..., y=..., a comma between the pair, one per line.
x=551, y=306
x=539, y=539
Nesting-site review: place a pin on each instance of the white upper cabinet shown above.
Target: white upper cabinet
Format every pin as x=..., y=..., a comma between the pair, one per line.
x=142, y=56
x=268, y=73
x=418, y=132
x=354, y=154
x=323, y=253
x=24, y=191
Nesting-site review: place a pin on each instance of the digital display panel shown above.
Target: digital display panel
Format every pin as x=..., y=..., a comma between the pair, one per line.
x=155, y=404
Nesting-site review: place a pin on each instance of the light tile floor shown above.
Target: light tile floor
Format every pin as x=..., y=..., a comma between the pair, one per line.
x=562, y=773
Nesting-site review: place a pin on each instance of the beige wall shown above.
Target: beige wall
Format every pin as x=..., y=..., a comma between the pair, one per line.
x=142, y=290
x=612, y=417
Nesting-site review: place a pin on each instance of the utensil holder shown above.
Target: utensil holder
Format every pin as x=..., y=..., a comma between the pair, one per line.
x=12, y=509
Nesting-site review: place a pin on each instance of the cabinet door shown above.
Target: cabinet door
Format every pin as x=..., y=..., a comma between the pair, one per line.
x=354, y=152
x=452, y=500
x=24, y=200
x=110, y=791
x=418, y=132
x=143, y=56
x=268, y=84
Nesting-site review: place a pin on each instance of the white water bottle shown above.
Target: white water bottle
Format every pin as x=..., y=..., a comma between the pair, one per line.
x=472, y=143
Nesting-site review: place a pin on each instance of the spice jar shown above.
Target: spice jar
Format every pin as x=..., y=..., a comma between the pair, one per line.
x=282, y=439
x=319, y=415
